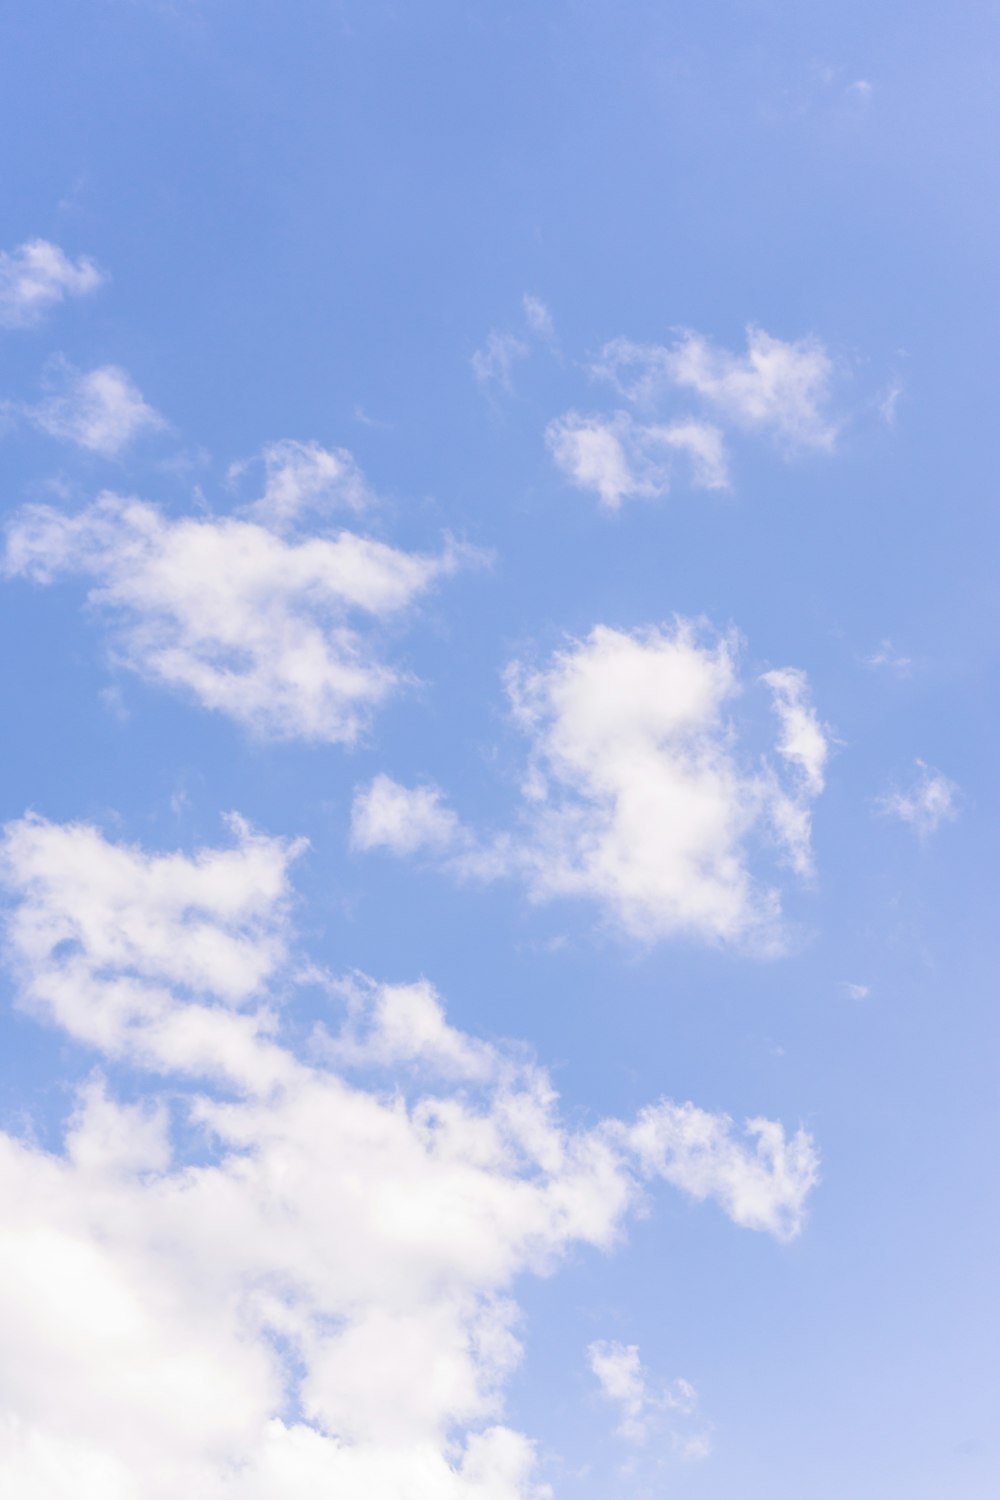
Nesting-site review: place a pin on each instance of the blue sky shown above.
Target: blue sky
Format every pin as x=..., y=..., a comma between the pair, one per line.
x=539, y=457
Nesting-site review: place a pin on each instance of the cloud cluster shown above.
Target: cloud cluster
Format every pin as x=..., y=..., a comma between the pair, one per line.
x=275, y=630
x=637, y=794
x=286, y=1274
x=779, y=389
x=37, y=276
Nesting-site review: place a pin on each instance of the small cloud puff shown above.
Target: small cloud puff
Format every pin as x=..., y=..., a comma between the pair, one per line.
x=37, y=276
x=930, y=801
x=101, y=410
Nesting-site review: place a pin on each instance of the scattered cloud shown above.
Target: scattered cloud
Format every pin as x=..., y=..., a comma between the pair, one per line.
x=292, y=1275
x=761, y=1180
x=101, y=410
x=778, y=387
x=930, y=801
x=637, y=794
x=300, y=478
x=618, y=458
x=538, y=317
x=644, y=1408
x=889, y=401
x=492, y=365
x=276, y=631
x=401, y=819
x=855, y=991
x=37, y=276
x=887, y=657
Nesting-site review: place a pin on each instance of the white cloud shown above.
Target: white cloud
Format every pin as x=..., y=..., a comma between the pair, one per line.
x=805, y=746
x=779, y=387
x=637, y=794
x=761, y=1182
x=317, y=1300
x=592, y=453
x=494, y=363
x=304, y=477
x=38, y=275
x=889, y=401
x=625, y=1383
x=249, y=622
x=855, y=991
x=618, y=458
x=100, y=410
x=401, y=819
x=538, y=317
x=888, y=657
x=929, y=801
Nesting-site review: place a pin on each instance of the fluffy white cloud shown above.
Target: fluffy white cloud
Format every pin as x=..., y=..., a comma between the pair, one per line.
x=299, y=1285
x=38, y=275
x=929, y=801
x=100, y=410
x=250, y=622
x=619, y=458
x=402, y=819
x=643, y=1407
x=303, y=477
x=779, y=387
x=637, y=795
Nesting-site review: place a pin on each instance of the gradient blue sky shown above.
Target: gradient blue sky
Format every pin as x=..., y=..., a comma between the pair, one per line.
x=309, y=219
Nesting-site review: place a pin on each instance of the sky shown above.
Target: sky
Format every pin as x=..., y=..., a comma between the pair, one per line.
x=499, y=796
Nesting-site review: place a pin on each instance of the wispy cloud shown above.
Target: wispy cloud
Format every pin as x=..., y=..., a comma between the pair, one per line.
x=645, y=1406
x=100, y=410
x=37, y=276
x=779, y=387
x=304, y=477
x=619, y=458
x=887, y=658
x=926, y=804
x=493, y=364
